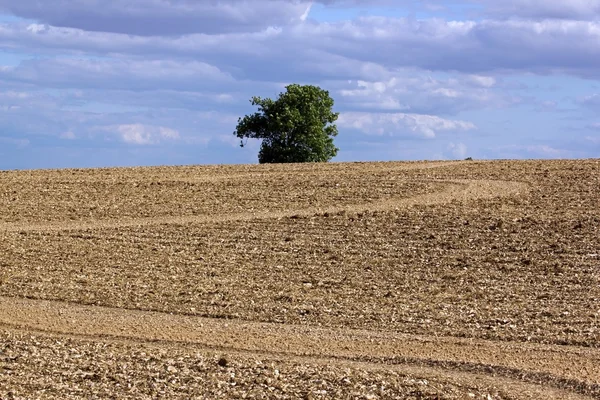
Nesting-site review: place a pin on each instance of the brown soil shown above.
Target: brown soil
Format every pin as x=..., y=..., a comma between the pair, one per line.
x=366, y=280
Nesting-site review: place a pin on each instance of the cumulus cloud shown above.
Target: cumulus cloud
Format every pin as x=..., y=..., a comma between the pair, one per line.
x=160, y=17
x=22, y=97
x=477, y=48
x=12, y=95
x=117, y=73
x=401, y=124
x=533, y=151
x=122, y=99
x=37, y=28
x=68, y=135
x=457, y=150
x=592, y=139
x=18, y=143
x=422, y=92
x=547, y=106
x=25, y=112
x=516, y=9
x=375, y=95
x=483, y=81
x=466, y=46
x=144, y=134
x=591, y=101
x=88, y=115
x=535, y=9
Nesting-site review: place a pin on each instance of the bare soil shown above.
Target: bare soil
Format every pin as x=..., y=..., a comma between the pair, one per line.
x=352, y=280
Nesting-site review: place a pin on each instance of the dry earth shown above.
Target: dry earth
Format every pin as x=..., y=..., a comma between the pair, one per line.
x=423, y=280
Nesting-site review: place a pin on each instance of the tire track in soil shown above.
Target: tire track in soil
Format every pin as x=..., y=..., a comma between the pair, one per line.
x=522, y=370
x=457, y=190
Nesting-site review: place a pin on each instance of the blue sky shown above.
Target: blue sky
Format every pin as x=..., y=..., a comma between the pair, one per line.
x=90, y=83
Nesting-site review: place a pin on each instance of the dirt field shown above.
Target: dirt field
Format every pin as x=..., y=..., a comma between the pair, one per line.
x=428, y=280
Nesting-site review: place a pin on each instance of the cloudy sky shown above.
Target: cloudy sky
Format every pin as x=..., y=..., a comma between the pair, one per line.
x=86, y=83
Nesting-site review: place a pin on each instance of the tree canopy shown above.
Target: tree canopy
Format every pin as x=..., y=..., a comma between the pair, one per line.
x=297, y=127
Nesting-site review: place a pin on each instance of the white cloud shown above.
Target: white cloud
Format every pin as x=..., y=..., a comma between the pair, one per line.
x=374, y=95
x=154, y=17
x=401, y=124
x=560, y=9
x=118, y=73
x=304, y=16
x=547, y=106
x=144, y=134
x=18, y=143
x=545, y=150
x=37, y=28
x=69, y=135
x=478, y=48
x=421, y=92
x=594, y=140
x=483, y=81
x=234, y=141
x=532, y=9
x=8, y=95
x=591, y=101
x=130, y=116
x=24, y=103
x=9, y=108
x=534, y=151
x=457, y=150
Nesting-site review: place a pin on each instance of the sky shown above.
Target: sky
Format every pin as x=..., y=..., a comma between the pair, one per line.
x=97, y=83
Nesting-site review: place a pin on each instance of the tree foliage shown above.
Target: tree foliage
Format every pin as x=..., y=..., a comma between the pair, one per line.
x=297, y=127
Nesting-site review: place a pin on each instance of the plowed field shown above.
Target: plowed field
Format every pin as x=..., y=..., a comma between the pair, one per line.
x=424, y=280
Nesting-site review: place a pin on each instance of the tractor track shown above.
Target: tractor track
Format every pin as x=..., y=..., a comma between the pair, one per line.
x=538, y=370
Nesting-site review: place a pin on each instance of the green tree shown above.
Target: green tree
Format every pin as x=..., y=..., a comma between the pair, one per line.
x=297, y=127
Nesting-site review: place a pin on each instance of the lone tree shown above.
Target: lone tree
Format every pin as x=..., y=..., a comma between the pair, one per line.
x=297, y=127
